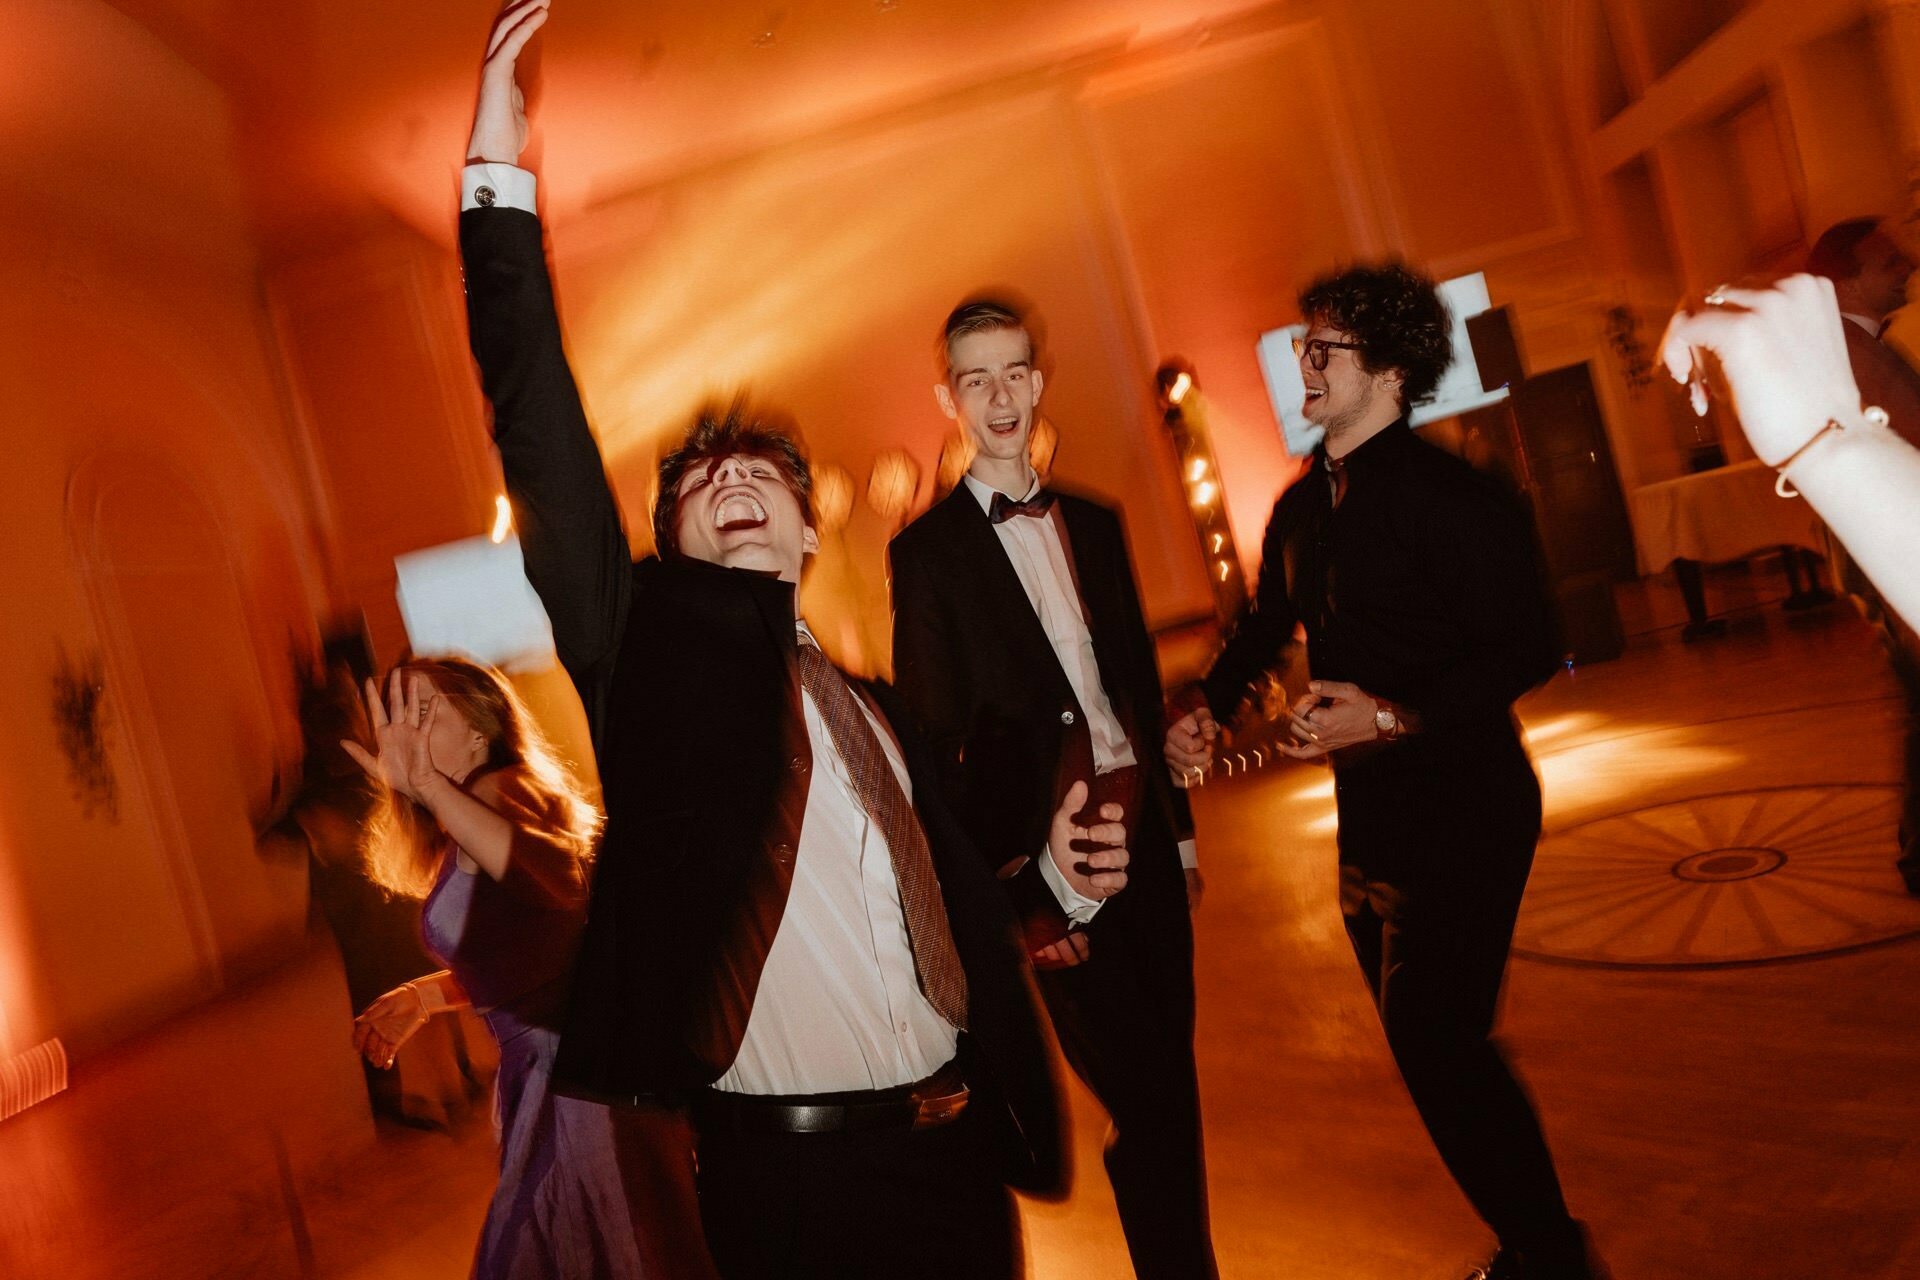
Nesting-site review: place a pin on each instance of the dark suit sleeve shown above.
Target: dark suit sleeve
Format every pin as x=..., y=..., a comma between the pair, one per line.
x=576, y=551
x=930, y=675
x=1005, y=1019
x=1265, y=627
x=1487, y=562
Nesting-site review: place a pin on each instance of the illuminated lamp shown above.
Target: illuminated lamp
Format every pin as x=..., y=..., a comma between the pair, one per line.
x=1183, y=409
x=1042, y=444
x=956, y=455
x=502, y=520
x=890, y=489
x=832, y=498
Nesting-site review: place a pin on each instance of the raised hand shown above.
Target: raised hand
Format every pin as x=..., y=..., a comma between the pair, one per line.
x=1784, y=356
x=402, y=734
x=500, y=114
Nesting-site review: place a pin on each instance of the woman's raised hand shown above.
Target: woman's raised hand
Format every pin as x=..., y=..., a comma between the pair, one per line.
x=402, y=734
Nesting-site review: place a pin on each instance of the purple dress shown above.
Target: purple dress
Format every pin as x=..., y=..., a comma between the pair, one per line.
x=580, y=1185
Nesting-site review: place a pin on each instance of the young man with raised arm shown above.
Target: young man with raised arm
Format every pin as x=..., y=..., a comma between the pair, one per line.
x=787, y=932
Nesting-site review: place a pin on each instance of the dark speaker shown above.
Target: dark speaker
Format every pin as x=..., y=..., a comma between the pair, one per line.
x=1496, y=350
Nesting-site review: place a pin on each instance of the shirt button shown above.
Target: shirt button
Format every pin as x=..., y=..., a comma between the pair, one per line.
x=1066, y=717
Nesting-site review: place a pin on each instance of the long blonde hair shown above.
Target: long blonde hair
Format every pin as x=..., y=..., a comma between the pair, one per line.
x=403, y=844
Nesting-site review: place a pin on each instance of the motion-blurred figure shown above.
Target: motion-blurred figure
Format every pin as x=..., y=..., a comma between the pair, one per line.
x=1869, y=272
x=483, y=823
x=1020, y=646
x=1418, y=583
x=785, y=925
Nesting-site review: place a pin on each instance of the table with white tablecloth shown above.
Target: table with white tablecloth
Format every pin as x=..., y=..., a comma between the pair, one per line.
x=1715, y=516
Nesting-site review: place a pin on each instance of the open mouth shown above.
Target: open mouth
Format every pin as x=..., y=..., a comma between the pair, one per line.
x=1314, y=395
x=738, y=511
x=1003, y=426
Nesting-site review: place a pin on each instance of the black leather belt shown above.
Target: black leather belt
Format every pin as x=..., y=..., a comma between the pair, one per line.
x=938, y=1100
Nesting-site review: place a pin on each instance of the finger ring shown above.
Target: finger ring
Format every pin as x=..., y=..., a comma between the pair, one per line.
x=1717, y=296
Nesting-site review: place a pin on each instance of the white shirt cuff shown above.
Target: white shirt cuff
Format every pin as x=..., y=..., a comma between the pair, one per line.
x=1189, y=856
x=497, y=186
x=1079, y=907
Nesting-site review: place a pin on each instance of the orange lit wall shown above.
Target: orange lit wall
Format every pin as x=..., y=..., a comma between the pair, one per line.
x=156, y=526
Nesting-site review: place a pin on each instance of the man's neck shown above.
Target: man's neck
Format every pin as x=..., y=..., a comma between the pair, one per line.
x=1347, y=439
x=1851, y=303
x=1011, y=476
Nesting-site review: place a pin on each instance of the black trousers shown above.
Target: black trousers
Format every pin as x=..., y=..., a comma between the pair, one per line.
x=1125, y=1022
x=845, y=1206
x=1434, y=950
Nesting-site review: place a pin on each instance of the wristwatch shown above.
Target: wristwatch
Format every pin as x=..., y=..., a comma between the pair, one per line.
x=1387, y=723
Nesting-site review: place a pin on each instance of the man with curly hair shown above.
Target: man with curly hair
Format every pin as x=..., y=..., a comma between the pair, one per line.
x=1417, y=581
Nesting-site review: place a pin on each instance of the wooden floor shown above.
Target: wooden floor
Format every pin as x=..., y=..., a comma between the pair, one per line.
x=1714, y=1119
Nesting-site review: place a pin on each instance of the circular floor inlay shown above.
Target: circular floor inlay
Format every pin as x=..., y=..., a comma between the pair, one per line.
x=1724, y=879
x=1717, y=866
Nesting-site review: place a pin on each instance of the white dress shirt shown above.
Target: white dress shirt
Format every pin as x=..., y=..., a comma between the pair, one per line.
x=1039, y=559
x=839, y=1005
x=1868, y=323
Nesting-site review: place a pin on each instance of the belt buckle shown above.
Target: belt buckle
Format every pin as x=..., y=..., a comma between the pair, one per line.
x=934, y=1112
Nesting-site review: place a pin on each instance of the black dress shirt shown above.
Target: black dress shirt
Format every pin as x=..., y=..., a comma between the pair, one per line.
x=1423, y=587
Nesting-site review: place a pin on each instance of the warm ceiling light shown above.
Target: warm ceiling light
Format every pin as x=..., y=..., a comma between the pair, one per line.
x=502, y=519
x=1197, y=469
x=1203, y=493
x=1181, y=385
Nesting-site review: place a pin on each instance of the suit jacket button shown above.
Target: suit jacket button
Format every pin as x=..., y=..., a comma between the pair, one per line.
x=783, y=853
x=798, y=764
x=1066, y=717
x=484, y=197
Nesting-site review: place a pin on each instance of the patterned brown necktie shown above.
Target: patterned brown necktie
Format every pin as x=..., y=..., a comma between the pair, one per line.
x=942, y=980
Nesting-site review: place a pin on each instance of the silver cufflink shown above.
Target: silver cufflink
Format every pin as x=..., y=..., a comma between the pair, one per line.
x=485, y=196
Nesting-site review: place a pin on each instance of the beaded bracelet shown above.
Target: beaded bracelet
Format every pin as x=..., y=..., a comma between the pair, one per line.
x=1873, y=413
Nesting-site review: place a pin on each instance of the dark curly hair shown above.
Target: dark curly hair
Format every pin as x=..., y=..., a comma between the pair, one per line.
x=1395, y=315
x=719, y=432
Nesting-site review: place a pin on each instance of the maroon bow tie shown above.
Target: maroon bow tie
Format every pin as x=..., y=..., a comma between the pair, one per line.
x=1005, y=508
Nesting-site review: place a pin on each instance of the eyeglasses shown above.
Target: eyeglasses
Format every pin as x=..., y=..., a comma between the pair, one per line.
x=1316, y=349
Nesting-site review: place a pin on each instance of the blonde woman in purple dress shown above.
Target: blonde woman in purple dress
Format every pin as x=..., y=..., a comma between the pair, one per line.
x=483, y=824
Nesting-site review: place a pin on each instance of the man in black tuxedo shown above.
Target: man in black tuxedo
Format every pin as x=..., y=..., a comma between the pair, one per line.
x=786, y=927
x=1020, y=647
x=1418, y=583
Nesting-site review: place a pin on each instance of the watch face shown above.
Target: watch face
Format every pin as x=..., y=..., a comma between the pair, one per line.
x=1384, y=720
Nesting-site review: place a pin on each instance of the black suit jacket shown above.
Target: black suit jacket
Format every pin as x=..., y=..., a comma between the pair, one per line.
x=976, y=667
x=690, y=682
